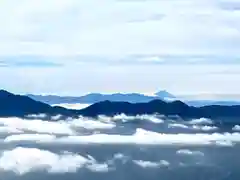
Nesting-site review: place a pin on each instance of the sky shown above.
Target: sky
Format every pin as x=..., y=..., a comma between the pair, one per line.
x=73, y=47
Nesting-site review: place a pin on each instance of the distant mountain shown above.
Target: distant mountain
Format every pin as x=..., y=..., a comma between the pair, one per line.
x=20, y=106
x=119, y=97
x=200, y=103
x=94, y=98
x=132, y=97
x=164, y=95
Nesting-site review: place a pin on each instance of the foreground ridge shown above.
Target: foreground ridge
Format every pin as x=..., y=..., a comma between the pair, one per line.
x=20, y=106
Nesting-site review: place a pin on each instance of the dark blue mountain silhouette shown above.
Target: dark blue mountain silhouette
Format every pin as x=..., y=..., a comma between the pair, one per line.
x=119, y=97
x=93, y=98
x=162, y=107
x=20, y=106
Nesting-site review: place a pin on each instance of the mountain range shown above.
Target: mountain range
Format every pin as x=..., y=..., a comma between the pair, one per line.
x=130, y=97
x=97, y=97
x=22, y=106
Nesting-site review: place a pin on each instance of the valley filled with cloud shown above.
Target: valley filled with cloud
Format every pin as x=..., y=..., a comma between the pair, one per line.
x=107, y=146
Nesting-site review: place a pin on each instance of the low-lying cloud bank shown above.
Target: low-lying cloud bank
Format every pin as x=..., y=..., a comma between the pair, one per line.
x=204, y=128
x=156, y=119
x=74, y=126
x=203, y=121
x=113, y=130
x=151, y=164
x=24, y=160
x=76, y=106
x=141, y=137
x=177, y=125
x=120, y=129
x=39, y=126
x=189, y=152
x=61, y=127
x=236, y=128
x=69, y=126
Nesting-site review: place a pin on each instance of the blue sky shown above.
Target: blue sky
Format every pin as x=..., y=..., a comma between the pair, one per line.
x=75, y=47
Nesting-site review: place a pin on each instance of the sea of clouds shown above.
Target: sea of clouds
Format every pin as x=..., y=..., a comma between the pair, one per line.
x=119, y=129
x=109, y=144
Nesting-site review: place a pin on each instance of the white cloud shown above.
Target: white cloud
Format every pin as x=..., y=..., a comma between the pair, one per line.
x=90, y=124
x=225, y=143
x=205, y=128
x=150, y=164
x=60, y=127
x=164, y=163
x=73, y=106
x=24, y=160
x=189, y=152
x=10, y=130
x=72, y=31
x=201, y=121
x=125, y=118
x=38, y=116
x=119, y=156
x=38, y=126
x=30, y=137
x=236, y=128
x=195, y=127
x=92, y=131
x=176, y=125
x=141, y=137
x=148, y=27
x=98, y=167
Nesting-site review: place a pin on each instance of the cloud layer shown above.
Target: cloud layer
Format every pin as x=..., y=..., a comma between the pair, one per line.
x=150, y=164
x=141, y=137
x=66, y=39
x=75, y=145
x=25, y=160
x=119, y=129
x=120, y=27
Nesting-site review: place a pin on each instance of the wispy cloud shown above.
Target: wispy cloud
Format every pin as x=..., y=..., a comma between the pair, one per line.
x=119, y=27
x=28, y=61
x=150, y=164
x=189, y=152
x=76, y=40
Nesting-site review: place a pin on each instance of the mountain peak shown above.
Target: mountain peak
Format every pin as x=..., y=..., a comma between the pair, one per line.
x=163, y=94
x=4, y=93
